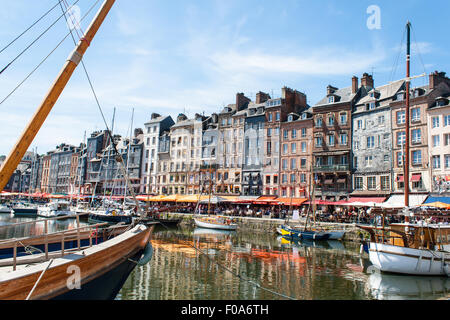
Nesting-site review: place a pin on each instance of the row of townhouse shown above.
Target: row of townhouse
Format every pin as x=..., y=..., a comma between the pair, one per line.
x=350, y=143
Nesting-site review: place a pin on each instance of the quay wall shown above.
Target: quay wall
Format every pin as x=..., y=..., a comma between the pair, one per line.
x=269, y=225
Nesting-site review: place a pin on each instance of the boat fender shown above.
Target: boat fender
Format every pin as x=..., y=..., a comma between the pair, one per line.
x=146, y=255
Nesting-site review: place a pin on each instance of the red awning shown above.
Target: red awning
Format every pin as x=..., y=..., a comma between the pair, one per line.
x=266, y=200
x=416, y=177
x=400, y=178
x=447, y=178
x=367, y=199
x=294, y=201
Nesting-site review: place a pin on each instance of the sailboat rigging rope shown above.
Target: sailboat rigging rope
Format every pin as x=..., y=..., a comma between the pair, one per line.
x=31, y=26
x=34, y=41
x=40, y=63
x=394, y=67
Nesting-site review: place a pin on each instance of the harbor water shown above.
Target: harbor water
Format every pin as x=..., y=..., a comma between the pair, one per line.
x=203, y=264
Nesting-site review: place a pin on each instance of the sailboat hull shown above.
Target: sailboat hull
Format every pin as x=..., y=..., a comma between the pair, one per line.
x=402, y=260
x=94, y=273
x=214, y=225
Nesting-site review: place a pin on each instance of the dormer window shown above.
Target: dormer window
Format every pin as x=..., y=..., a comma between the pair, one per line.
x=304, y=116
x=290, y=118
x=400, y=96
x=331, y=99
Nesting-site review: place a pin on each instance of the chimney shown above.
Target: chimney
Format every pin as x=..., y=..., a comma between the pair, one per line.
x=331, y=89
x=138, y=131
x=367, y=80
x=181, y=117
x=437, y=77
x=354, y=84
x=261, y=97
x=155, y=115
x=241, y=101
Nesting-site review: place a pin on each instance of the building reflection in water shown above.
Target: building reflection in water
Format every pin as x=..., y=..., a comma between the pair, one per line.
x=184, y=267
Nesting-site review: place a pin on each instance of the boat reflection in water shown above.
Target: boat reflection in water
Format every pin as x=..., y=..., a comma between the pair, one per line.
x=400, y=287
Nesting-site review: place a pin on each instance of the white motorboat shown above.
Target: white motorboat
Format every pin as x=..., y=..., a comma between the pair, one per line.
x=56, y=209
x=5, y=209
x=217, y=222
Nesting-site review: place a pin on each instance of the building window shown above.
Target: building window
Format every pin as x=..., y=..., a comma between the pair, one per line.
x=359, y=124
x=399, y=159
x=435, y=122
x=415, y=115
x=446, y=139
x=285, y=134
x=331, y=140
x=343, y=118
x=417, y=157
x=436, y=161
x=368, y=161
x=270, y=117
x=385, y=183
x=447, y=120
x=269, y=132
x=344, y=160
x=401, y=116
x=416, y=136
x=294, y=133
x=284, y=164
x=293, y=148
x=284, y=179
x=371, y=105
x=436, y=141
x=277, y=116
x=331, y=121
x=371, y=183
x=331, y=99
x=358, y=183
x=330, y=160
x=303, y=132
x=319, y=141
x=401, y=138
x=343, y=139
x=292, y=177
x=319, y=122
x=380, y=119
x=285, y=148
x=370, y=142
x=293, y=164
x=303, y=147
x=447, y=161
x=355, y=162
x=303, y=162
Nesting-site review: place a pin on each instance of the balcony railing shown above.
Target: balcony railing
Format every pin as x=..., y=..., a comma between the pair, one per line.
x=333, y=167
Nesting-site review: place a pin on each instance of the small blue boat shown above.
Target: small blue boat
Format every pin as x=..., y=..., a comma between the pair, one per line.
x=304, y=234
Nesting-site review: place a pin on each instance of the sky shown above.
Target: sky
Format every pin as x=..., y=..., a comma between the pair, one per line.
x=193, y=56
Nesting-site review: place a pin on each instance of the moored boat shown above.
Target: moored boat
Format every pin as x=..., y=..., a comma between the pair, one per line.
x=98, y=272
x=112, y=216
x=25, y=210
x=406, y=248
x=287, y=231
x=56, y=209
x=217, y=222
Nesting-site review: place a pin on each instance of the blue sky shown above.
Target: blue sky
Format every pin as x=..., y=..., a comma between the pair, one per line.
x=194, y=56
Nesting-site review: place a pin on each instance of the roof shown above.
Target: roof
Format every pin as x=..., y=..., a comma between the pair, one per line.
x=156, y=120
x=344, y=94
x=385, y=92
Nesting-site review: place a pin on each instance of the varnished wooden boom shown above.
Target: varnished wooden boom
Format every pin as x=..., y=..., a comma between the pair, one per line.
x=52, y=96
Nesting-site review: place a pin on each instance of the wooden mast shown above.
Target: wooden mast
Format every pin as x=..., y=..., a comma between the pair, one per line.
x=407, y=135
x=51, y=97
